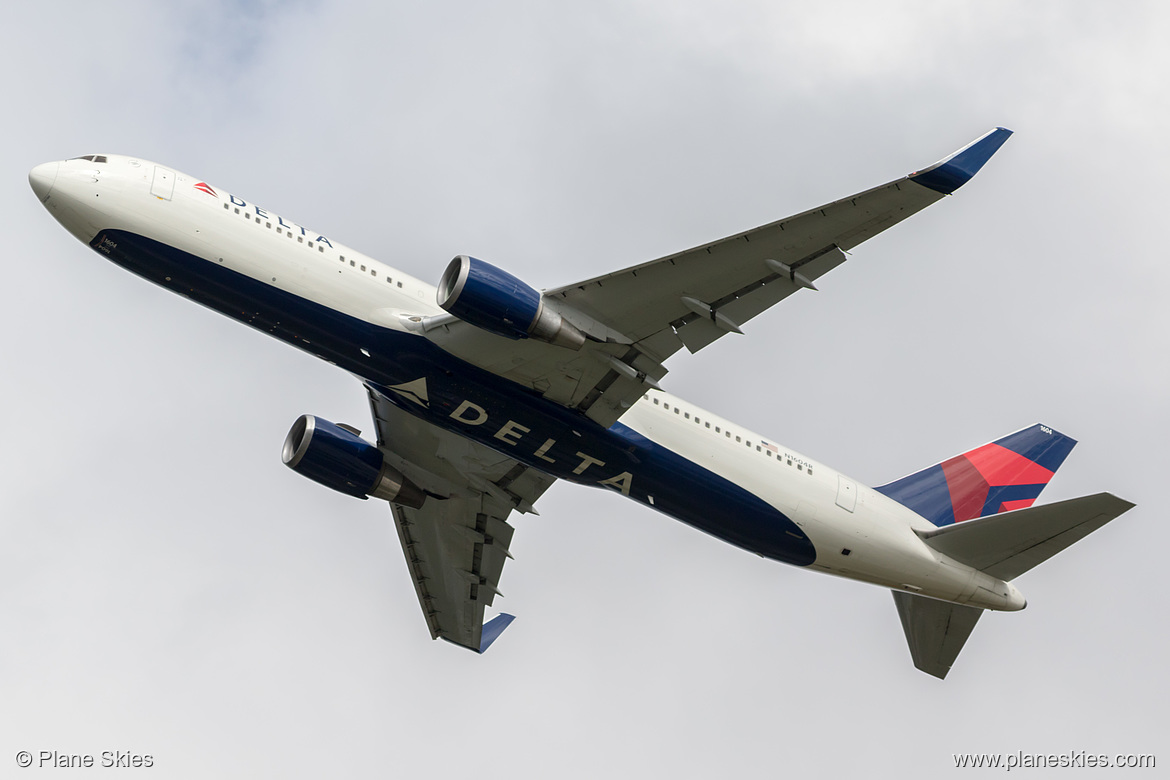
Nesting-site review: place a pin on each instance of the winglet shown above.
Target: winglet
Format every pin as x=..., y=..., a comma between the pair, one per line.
x=492, y=630
x=953, y=172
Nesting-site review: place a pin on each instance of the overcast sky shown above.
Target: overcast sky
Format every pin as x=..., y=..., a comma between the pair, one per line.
x=169, y=588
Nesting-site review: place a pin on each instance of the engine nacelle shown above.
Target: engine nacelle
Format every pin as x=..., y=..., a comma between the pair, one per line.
x=493, y=299
x=336, y=458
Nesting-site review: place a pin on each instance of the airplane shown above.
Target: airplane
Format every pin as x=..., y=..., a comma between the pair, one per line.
x=485, y=391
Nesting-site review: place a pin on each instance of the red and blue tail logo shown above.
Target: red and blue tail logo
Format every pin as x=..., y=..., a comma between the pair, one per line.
x=999, y=477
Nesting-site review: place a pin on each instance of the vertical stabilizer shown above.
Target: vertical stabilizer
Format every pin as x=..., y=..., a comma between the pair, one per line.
x=1002, y=476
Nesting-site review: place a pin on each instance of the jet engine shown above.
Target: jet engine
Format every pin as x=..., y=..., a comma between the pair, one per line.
x=493, y=299
x=340, y=459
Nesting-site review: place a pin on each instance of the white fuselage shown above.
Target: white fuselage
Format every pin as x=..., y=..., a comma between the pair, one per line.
x=857, y=532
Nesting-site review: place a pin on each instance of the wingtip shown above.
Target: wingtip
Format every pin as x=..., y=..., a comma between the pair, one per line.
x=492, y=630
x=954, y=171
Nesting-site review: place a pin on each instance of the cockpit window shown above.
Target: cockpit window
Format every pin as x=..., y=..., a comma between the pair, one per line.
x=101, y=158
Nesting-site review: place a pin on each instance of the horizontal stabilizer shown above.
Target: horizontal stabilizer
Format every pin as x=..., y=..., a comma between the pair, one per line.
x=1009, y=544
x=935, y=630
x=492, y=630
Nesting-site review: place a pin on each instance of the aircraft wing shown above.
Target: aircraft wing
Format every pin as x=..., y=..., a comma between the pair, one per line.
x=642, y=315
x=457, y=543
x=694, y=297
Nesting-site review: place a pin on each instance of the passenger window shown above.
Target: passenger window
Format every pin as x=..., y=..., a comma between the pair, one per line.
x=656, y=402
x=738, y=439
x=300, y=239
x=400, y=284
x=363, y=269
x=268, y=225
x=707, y=424
x=226, y=207
x=373, y=273
x=320, y=247
x=688, y=415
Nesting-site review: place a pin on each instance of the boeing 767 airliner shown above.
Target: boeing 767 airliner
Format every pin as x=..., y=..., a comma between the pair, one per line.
x=485, y=391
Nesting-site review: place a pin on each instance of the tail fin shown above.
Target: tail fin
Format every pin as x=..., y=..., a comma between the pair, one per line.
x=1002, y=476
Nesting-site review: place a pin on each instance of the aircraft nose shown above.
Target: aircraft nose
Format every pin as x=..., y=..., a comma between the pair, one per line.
x=42, y=178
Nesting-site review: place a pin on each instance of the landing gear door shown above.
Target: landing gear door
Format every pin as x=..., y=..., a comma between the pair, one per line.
x=163, y=185
x=846, y=494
